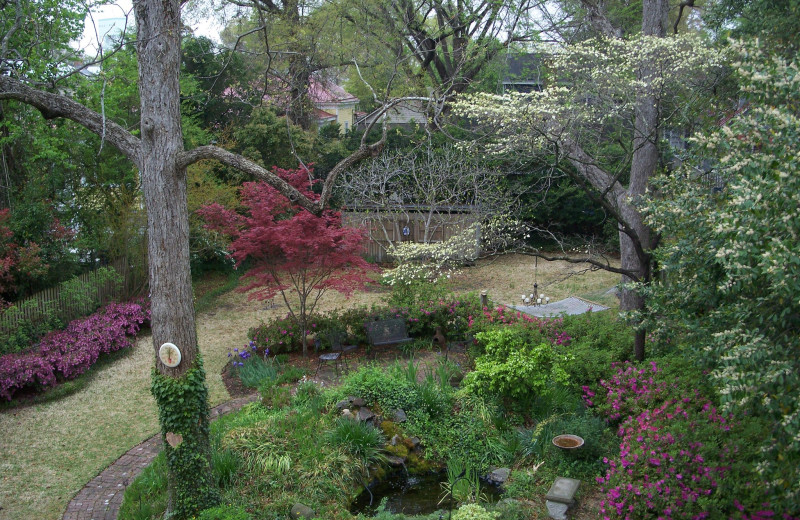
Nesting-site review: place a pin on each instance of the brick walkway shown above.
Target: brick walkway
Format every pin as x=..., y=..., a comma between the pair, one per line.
x=101, y=498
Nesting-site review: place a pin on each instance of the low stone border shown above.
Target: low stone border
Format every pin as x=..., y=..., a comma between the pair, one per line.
x=101, y=498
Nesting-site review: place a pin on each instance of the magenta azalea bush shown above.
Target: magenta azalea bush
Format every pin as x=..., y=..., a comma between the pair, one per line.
x=67, y=353
x=679, y=458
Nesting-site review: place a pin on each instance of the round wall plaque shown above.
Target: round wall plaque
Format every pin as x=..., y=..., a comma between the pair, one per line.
x=170, y=355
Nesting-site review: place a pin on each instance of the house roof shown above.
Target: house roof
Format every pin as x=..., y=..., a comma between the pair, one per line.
x=322, y=116
x=324, y=92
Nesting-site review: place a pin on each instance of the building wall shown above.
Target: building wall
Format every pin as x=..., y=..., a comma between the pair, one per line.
x=345, y=117
x=444, y=227
x=345, y=113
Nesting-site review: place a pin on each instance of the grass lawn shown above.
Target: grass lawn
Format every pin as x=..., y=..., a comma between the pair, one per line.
x=52, y=449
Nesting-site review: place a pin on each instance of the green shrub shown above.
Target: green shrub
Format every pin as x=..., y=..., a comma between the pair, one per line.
x=359, y=439
x=467, y=433
x=274, y=396
x=598, y=339
x=474, y=512
x=555, y=399
x=388, y=389
x=599, y=441
x=225, y=513
x=514, y=366
x=514, y=509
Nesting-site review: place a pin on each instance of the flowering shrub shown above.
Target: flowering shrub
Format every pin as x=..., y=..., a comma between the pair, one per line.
x=279, y=336
x=679, y=456
x=68, y=353
x=457, y=316
x=428, y=262
x=629, y=392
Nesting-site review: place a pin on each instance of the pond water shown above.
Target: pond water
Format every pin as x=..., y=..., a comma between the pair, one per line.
x=412, y=494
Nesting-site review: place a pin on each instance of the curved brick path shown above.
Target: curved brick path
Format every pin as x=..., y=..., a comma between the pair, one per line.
x=101, y=498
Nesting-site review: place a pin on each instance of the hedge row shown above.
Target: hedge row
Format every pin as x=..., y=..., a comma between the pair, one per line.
x=70, y=352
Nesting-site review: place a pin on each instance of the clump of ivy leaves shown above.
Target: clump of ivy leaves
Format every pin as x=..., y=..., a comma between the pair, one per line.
x=180, y=402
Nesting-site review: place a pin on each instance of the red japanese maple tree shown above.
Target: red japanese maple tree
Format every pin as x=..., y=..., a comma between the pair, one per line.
x=290, y=249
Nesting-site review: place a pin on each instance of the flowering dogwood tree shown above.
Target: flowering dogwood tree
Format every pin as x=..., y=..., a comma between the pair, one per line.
x=292, y=251
x=613, y=95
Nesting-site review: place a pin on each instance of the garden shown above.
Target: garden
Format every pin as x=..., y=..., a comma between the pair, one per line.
x=186, y=224
x=655, y=440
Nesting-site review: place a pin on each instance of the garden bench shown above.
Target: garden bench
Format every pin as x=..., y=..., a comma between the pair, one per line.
x=387, y=332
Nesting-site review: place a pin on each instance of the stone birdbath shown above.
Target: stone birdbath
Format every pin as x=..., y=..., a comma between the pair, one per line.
x=568, y=442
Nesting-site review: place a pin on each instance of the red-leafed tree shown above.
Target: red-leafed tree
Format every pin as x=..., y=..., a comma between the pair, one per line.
x=291, y=251
x=16, y=261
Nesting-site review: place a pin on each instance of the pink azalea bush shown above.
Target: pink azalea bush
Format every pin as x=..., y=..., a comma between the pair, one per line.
x=679, y=456
x=70, y=352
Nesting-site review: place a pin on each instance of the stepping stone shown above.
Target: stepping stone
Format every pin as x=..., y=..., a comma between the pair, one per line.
x=556, y=510
x=563, y=490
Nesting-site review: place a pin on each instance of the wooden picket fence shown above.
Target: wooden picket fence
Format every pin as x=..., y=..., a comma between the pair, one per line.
x=56, y=300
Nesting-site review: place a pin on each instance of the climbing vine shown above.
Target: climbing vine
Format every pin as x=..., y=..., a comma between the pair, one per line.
x=180, y=401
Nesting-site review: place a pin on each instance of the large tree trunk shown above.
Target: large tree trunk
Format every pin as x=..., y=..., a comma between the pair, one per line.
x=636, y=258
x=180, y=391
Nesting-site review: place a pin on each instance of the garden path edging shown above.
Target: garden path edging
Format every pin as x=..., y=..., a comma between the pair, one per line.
x=101, y=498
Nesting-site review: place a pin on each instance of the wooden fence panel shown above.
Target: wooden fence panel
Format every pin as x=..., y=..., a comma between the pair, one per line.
x=56, y=300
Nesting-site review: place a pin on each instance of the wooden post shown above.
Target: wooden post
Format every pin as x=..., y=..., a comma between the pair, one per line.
x=484, y=298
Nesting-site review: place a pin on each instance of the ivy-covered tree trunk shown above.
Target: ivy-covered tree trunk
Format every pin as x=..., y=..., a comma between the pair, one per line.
x=180, y=391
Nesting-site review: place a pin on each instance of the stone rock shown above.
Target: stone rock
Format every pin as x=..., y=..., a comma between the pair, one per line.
x=301, y=511
x=400, y=416
x=344, y=403
x=563, y=490
x=395, y=461
x=357, y=401
x=364, y=414
x=347, y=414
x=556, y=510
x=396, y=440
x=498, y=476
x=415, y=442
